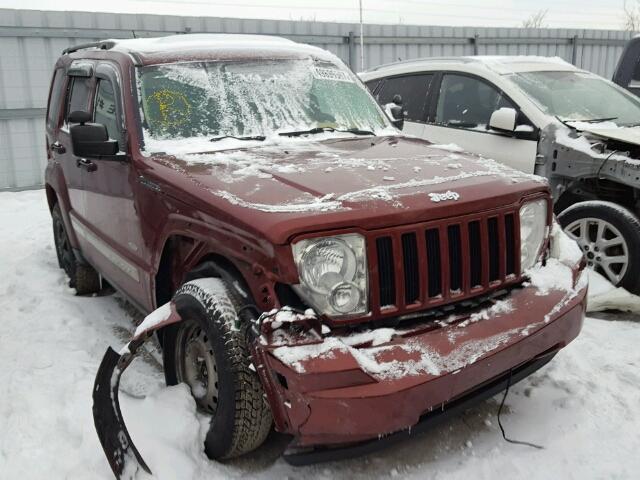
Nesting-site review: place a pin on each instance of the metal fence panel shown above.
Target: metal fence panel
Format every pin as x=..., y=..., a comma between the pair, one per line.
x=31, y=41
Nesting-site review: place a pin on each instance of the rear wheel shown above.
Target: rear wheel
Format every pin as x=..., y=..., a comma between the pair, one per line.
x=208, y=351
x=82, y=277
x=609, y=236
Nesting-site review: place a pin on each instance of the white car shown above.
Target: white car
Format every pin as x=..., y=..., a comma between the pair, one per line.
x=539, y=115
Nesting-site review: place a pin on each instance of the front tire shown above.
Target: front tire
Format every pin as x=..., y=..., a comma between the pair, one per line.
x=208, y=351
x=82, y=277
x=609, y=236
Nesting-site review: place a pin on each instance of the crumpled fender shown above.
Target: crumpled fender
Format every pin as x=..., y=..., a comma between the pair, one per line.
x=123, y=456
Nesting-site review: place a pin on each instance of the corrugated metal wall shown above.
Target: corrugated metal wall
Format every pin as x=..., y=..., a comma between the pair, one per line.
x=31, y=41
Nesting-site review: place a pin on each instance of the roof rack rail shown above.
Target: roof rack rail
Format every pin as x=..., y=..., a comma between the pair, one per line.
x=103, y=45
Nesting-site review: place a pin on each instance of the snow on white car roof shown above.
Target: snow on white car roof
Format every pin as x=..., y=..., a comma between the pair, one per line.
x=501, y=64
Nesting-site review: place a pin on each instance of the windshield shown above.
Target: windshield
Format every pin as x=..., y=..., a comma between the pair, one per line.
x=579, y=96
x=252, y=99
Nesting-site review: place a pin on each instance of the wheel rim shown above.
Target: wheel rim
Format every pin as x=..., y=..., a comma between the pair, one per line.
x=197, y=366
x=63, y=248
x=603, y=245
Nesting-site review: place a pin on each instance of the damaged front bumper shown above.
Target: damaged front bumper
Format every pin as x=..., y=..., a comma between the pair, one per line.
x=338, y=389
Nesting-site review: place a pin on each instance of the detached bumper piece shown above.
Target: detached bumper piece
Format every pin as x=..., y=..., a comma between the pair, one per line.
x=122, y=454
x=307, y=456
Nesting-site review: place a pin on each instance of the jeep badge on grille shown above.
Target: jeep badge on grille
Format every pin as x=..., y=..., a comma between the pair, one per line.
x=448, y=195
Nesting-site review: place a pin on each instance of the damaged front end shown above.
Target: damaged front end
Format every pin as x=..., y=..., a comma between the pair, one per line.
x=346, y=392
x=591, y=162
x=350, y=390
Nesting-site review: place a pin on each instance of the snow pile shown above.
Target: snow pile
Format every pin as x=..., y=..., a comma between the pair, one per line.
x=604, y=296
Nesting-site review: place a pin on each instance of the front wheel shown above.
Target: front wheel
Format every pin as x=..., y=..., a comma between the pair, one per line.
x=208, y=351
x=609, y=237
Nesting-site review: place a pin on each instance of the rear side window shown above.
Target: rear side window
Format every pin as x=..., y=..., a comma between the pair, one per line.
x=105, y=109
x=467, y=102
x=54, y=98
x=413, y=89
x=78, y=95
x=373, y=84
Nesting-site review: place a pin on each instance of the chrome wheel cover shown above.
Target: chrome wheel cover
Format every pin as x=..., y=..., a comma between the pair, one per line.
x=603, y=245
x=196, y=365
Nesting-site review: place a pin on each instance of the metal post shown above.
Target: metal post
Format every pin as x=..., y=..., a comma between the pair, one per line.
x=352, y=50
x=574, y=51
x=474, y=40
x=361, y=41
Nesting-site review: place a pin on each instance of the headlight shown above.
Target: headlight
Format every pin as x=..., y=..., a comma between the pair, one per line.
x=533, y=231
x=333, y=274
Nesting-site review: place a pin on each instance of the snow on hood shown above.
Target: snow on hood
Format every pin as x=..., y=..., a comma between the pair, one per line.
x=334, y=171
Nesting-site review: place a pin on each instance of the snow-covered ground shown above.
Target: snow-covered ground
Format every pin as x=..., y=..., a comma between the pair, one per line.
x=584, y=407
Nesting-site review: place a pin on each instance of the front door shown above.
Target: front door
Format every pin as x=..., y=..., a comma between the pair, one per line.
x=110, y=226
x=461, y=114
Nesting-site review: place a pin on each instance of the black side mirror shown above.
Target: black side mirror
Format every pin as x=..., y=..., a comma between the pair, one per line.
x=395, y=112
x=90, y=139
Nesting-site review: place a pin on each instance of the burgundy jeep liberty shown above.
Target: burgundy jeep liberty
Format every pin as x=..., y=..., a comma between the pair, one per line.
x=306, y=264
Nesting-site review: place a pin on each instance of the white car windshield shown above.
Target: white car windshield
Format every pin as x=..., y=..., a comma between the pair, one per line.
x=251, y=100
x=579, y=96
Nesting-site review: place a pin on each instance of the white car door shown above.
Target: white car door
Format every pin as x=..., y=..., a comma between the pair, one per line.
x=413, y=89
x=464, y=107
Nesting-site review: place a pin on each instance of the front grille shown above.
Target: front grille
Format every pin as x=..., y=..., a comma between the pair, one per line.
x=443, y=262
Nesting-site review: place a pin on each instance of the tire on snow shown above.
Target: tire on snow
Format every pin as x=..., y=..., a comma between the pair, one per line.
x=242, y=419
x=82, y=277
x=624, y=221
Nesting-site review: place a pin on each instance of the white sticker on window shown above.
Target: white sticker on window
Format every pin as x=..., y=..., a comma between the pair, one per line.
x=334, y=74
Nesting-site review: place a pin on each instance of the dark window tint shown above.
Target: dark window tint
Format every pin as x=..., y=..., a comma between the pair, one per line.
x=413, y=89
x=105, y=109
x=78, y=95
x=373, y=84
x=54, y=100
x=467, y=102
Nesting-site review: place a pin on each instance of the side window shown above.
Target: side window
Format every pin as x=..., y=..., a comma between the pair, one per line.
x=468, y=102
x=77, y=95
x=54, y=98
x=413, y=89
x=373, y=84
x=105, y=109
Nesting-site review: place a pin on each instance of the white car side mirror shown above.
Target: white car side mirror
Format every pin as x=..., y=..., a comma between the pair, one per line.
x=503, y=119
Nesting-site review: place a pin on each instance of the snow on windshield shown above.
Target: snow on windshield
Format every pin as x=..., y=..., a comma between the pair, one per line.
x=578, y=96
x=198, y=101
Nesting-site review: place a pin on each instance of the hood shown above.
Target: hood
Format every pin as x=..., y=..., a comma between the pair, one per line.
x=301, y=185
x=621, y=134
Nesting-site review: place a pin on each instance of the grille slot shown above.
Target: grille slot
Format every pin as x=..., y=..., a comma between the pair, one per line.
x=411, y=268
x=475, y=254
x=510, y=240
x=494, y=249
x=385, y=271
x=455, y=258
x=434, y=264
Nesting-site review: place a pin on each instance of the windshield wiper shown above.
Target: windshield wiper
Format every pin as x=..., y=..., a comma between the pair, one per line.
x=312, y=131
x=256, y=137
x=589, y=120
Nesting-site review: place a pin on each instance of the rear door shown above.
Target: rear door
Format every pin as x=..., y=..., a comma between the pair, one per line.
x=460, y=112
x=413, y=89
x=77, y=96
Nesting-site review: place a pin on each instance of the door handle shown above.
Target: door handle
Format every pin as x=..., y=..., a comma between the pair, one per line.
x=58, y=148
x=86, y=164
